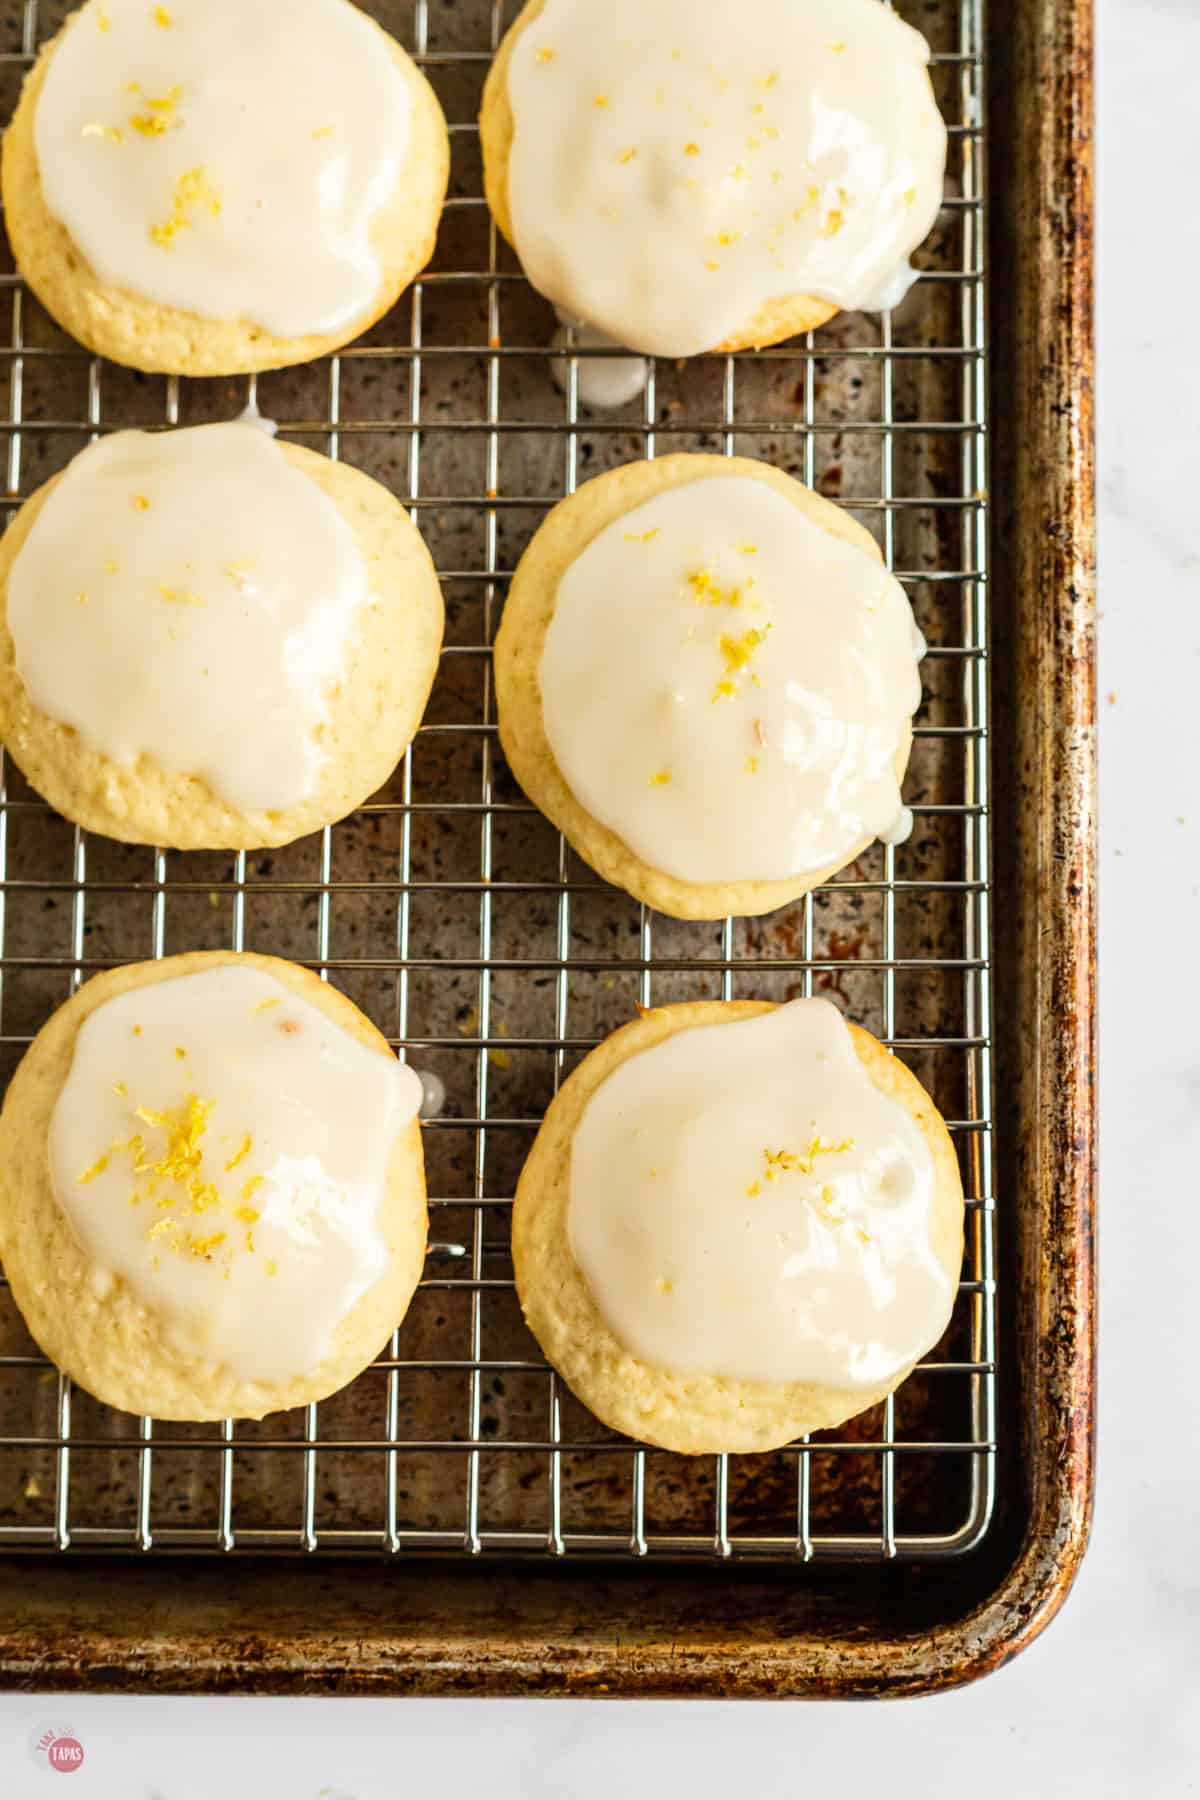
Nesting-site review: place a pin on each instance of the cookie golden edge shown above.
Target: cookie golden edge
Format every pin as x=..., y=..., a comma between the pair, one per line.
x=693, y=1415
x=528, y=610
x=373, y=716
x=773, y=323
x=111, y=1344
x=129, y=329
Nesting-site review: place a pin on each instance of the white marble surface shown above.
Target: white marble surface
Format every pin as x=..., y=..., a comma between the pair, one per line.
x=1106, y=1704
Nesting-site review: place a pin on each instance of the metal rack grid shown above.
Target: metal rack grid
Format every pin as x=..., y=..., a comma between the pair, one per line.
x=475, y=939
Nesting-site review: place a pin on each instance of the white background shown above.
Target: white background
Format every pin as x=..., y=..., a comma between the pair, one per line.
x=1108, y=1702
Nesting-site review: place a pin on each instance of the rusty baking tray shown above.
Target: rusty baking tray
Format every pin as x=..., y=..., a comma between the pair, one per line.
x=454, y=1521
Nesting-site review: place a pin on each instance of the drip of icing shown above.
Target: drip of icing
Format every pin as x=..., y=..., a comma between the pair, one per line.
x=677, y=168
x=900, y=831
x=745, y=1203
x=602, y=382
x=727, y=686
x=250, y=415
x=222, y=1147
x=190, y=596
x=202, y=163
x=433, y=1093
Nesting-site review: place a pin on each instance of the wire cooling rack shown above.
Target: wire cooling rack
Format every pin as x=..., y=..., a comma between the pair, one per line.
x=459, y=920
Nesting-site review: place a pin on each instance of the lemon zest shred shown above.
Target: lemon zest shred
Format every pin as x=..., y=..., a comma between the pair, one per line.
x=241, y=1154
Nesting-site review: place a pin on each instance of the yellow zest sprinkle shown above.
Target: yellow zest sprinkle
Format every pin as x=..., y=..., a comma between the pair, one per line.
x=769, y=81
x=711, y=265
x=193, y=189
x=627, y=156
x=112, y=568
x=324, y=131
x=265, y=1005
x=272, y=1266
x=754, y=1190
x=601, y=100
x=501, y=1058
x=242, y=1154
x=136, y=1030
x=120, y=1089
x=708, y=592
x=664, y=1286
x=726, y=238
x=179, y=596
x=81, y=599
x=785, y=1162
x=910, y=196
x=103, y=22
x=831, y=224
x=141, y=502
x=205, y=1246
x=691, y=149
x=162, y=16
x=251, y=1187
x=837, y=46
x=641, y=537
x=748, y=549
x=660, y=778
x=864, y=1237
x=544, y=55
x=752, y=765
x=249, y=1215
x=180, y=1051
x=112, y=133
x=156, y=122
x=738, y=652
x=161, y=1228
x=98, y=1167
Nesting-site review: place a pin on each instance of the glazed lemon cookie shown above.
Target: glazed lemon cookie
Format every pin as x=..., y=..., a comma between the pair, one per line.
x=706, y=679
x=213, y=186
x=688, y=178
x=212, y=1192
x=209, y=639
x=738, y=1223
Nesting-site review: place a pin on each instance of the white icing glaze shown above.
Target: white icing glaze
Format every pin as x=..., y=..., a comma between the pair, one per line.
x=222, y=1147
x=230, y=161
x=607, y=381
x=190, y=596
x=745, y=1203
x=726, y=686
x=676, y=167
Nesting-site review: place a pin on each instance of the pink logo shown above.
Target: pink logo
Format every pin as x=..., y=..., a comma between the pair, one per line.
x=65, y=1754
x=60, y=1748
